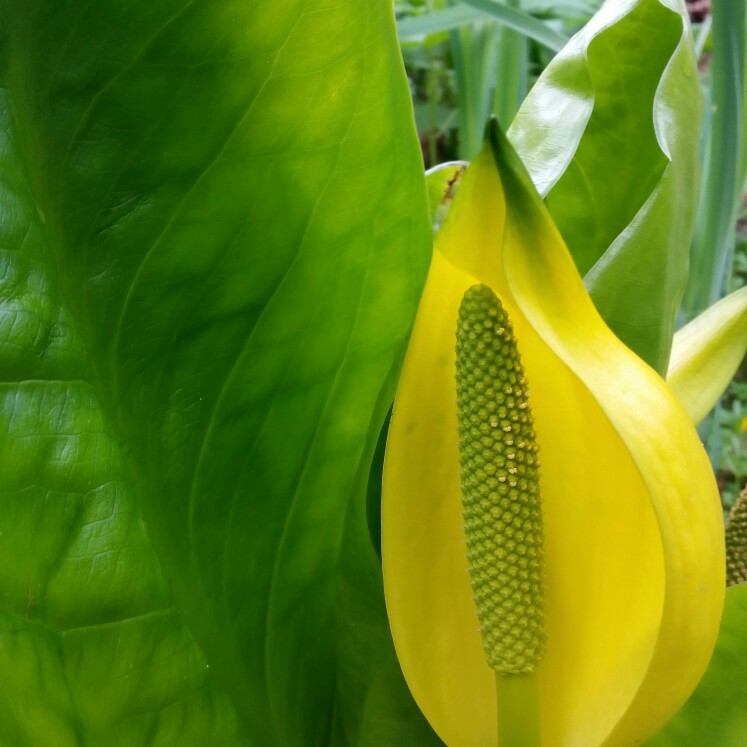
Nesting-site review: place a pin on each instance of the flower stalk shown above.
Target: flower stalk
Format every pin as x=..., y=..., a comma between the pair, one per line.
x=518, y=702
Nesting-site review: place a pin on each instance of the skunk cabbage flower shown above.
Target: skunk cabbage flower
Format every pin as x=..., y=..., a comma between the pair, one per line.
x=632, y=577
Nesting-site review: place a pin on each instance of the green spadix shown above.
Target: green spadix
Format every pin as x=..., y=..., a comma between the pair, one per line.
x=500, y=485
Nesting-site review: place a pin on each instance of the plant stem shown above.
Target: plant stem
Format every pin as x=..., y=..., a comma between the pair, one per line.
x=518, y=710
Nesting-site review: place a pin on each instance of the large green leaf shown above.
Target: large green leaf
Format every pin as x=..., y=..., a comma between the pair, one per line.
x=717, y=711
x=90, y=638
x=609, y=134
x=214, y=241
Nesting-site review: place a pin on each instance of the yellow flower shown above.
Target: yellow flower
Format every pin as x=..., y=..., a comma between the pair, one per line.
x=633, y=548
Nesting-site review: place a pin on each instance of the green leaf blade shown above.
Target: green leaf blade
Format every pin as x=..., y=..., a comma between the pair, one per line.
x=456, y=16
x=88, y=634
x=234, y=196
x=521, y=22
x=609, y=135
x=724, y=170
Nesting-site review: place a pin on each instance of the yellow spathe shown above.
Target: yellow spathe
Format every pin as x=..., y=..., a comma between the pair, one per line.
x=634, y=553
x=706, y=354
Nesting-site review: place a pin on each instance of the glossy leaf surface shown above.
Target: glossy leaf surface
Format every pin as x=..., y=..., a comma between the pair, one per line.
x=214, y=232
x=89, y=635
x=610, y=135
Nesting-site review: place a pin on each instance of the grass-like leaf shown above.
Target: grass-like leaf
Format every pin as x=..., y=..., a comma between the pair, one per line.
x=460, y=15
